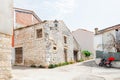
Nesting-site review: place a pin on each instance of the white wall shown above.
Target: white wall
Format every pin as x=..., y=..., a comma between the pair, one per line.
x=104, y=42
x=6, y=16
x=98, y=42
x=85, y=39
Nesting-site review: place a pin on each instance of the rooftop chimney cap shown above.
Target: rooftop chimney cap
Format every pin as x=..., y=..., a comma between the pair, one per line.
x=96, y=30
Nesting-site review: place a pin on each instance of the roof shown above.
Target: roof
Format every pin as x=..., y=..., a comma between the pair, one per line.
x=26, y=26
x=108, y=29
x=32, y=25
x=28, y=12
x=83, y=30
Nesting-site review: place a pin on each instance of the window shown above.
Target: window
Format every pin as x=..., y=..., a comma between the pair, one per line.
x=65, y=39
x=56, y=25
x=116, y=29
x=51, y=28
x=54, y=48
x=39, y=33
x=65, y=50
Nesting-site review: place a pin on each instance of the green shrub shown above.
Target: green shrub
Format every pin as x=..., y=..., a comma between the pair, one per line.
x=51, y=66
x=60, y=64
x=65, y=63
x=56, y=65
x=80, y=60
x=15, y=65
x=41, y=66
x=71, y=62
x=33, y=65
x=86, y=53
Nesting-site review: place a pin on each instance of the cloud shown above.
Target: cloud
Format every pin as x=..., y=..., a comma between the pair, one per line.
x=61, y=7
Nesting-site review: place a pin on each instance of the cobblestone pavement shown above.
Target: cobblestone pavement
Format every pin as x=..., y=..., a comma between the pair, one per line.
x=80, y=71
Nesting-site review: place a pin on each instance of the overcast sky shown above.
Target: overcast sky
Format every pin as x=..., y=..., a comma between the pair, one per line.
x=86, y=14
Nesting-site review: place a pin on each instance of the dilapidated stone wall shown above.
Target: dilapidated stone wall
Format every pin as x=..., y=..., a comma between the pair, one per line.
x=50, y=48
x=55, y=38
x=5, y=57
x=32, y=47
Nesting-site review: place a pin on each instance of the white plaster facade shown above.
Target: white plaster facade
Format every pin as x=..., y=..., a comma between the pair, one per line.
x=85, y=39
x=105, y=41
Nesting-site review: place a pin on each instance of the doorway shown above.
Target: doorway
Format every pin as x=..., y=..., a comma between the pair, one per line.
x=75, y=55
x=65, y=54
x=19, y=55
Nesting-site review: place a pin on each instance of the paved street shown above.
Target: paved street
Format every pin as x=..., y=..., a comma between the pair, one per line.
x=80, y=71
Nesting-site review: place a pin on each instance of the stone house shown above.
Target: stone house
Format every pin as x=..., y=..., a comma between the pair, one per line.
x=108, y=39
x=23, y=17
x=48, y=42
x=6, y=24
x=85, y=39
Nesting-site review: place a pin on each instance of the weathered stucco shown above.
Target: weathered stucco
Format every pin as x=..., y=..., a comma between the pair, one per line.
x=5, y=57
x=40, y=51
x=106, y=42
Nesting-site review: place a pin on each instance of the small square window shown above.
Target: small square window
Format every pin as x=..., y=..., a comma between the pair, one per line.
x=54, y=48
x=116, y=29
x=56, y=25
x=51, y=28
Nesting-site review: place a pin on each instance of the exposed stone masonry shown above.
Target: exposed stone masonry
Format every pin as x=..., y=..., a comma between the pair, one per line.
x=5, y=54
x=50, y=49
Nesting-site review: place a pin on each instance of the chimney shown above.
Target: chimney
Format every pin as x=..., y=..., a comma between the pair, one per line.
x=96, y=30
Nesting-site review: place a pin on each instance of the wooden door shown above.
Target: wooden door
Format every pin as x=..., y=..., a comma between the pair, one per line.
x=65, y=54
x=18, y=55
x=75, y=56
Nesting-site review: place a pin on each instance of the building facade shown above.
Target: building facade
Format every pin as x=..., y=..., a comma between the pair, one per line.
x=108, y=41
x=49, y=42
x=6, y=25
x=23, y=17
x=5, y=56
x=85, y=39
